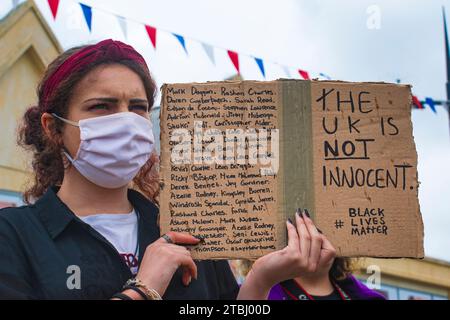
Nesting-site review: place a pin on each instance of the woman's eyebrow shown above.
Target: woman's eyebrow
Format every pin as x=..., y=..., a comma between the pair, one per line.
x=138, y=101
x=114, y=100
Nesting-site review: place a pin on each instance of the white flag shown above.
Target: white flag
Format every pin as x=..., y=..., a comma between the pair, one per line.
x=123, y=25
x=287, y=72
x=209, y=52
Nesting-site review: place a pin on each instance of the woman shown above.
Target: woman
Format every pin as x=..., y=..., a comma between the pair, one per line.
x=86, y=235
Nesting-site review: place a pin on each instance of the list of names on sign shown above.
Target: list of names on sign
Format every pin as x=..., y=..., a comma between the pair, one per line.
x=218, y=168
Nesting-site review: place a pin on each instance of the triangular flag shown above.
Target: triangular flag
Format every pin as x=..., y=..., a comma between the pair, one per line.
x=234, y=57
x=123, y=25
x=53, y=4
x=87, y=12
x=417, y=102
x=325, y=76
x=152, y=34
x=260, y=64
x=209, y=50
x=304, y=74
x=286, y=71
x=430, y=102
x=181, y=40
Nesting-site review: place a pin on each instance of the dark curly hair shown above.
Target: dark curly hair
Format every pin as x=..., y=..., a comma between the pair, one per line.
x=341, y=268
x=48, y=161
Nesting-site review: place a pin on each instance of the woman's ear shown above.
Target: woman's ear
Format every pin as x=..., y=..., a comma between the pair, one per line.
x=49, y=127
x=46, y=122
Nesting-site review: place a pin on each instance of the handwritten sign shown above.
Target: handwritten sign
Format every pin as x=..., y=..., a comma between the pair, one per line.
x=237, y=159
x=213, y=183
x=366, y=169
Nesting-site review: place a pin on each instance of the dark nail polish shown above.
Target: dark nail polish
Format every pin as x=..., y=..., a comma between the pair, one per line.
x=307, y=213
x=202, y=240
x=299, y=212
x=290, y=221
x=320, y=231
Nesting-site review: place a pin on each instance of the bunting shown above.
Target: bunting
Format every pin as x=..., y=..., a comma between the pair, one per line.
x=87, y=12
x=304, y=74
x=181, y=40
x=210, y=50
x=151, y=31
x=123, y=26
x=417, y=102
x=430, y=102
x=234, y=57
x=260, y=64
x=53, y=4
x=325, y=76
x=286, y=71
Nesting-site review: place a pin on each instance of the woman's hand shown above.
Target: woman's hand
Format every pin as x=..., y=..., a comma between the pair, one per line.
x=308, y=251
x=327, y=252
x=162, y=259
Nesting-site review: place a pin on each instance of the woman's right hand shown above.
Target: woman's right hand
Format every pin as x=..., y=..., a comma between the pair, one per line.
x=162, y=259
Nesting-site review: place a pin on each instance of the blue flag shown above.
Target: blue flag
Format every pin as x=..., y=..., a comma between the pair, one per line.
x=181, y=40
x=430, y=102
x=87, y=12
x=260, y=64
x=325, y=76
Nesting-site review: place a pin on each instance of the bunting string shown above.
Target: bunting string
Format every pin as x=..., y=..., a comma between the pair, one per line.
x=210, y=49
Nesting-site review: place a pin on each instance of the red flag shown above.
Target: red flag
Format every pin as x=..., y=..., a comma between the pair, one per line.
x=304, y=74
x=417, y=102
x=53, y=7
x=234, y=58
x=152, y=34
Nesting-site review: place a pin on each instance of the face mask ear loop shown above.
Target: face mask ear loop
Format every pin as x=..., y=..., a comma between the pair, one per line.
x=65, y=151
x=73, y=123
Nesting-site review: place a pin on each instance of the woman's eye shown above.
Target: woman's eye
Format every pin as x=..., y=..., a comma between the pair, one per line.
x=140, y=108
x=99, y=107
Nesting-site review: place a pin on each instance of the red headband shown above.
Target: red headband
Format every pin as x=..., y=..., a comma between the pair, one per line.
x=108, y=50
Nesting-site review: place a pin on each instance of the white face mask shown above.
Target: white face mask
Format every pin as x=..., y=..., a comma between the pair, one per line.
x=113, y=148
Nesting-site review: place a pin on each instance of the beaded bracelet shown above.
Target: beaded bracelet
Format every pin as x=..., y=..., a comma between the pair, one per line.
x=151, y=294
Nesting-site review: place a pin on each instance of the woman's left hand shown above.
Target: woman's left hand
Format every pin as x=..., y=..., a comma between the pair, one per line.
x=308, y=251
x=321, y=257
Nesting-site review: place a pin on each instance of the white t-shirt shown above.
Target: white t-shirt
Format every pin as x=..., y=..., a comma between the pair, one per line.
x=121, y=231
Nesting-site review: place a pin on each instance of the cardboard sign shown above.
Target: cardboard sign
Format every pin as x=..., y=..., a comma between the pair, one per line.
x=237, y=159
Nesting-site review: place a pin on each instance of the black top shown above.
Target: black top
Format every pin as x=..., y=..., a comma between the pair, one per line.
x=40, y=244
x=332, y=296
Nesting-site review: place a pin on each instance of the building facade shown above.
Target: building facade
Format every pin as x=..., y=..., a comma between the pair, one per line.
x=27, y=46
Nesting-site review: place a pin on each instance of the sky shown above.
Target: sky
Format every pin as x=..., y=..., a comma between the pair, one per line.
x=385, y=40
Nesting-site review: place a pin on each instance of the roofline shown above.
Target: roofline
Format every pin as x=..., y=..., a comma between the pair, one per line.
x=14, y=15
